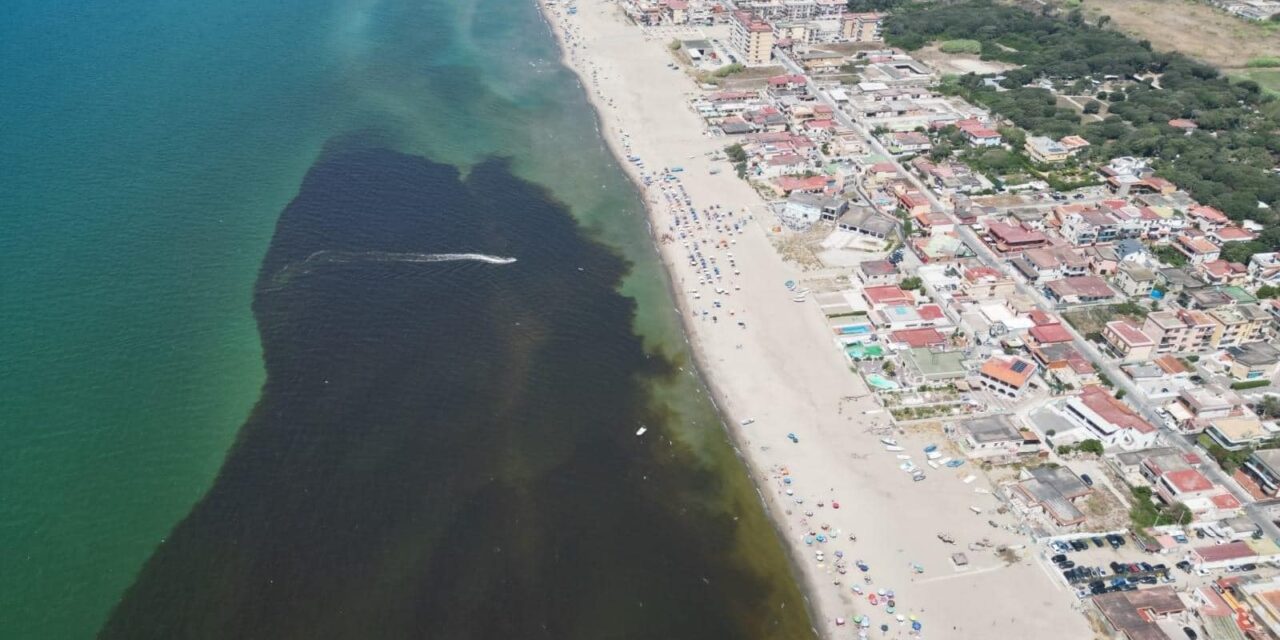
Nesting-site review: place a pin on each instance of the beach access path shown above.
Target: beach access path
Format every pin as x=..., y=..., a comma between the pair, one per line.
x=783, y=370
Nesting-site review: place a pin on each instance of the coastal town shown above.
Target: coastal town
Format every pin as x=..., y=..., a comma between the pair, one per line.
x=1040, y=376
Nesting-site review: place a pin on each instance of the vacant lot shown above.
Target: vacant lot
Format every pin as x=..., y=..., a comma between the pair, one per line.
x=959, y=63
x=1189, y=26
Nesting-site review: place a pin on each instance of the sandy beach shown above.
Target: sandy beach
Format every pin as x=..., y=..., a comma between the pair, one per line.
x=771, y=363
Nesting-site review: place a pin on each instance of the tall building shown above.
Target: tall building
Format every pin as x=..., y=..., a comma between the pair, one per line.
x=861, y=27
x=752, y=39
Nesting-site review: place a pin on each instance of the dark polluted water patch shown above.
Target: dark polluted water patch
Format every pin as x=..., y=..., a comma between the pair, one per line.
x=445, y=447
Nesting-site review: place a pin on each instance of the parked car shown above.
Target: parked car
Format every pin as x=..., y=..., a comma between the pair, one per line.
x=1079, y=545
x=1088, y=482
x=1191, y=633
x=1061, y=557
x=1098, y=542
x=1184, y=565
x=1249, y=567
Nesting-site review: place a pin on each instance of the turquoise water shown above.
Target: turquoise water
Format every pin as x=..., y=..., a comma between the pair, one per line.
x=148, y=147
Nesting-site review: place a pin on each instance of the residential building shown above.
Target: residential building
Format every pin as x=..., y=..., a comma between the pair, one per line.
x=986, y=283
x=1237, y=324
x=1046, y=150
x=1090, y=226
x=1107, y=419
x=751, y=38
x=1199, y=406
x=1052, y=491
x=1135, y=280
x=1253, y=361
x=1079, y=290
x=1129, y=341
x=1237, y=432
x=1050, y=263
x=1136, y=614
x=1263, y=468
x=861, y=27
x=804, y=209
x=1205, y=499
x=1198, y=249
x=866, y=221
x=1006, y=376
x=979, y=134
x=1008, y=238
x=1180, y=331
x=883, y=296
x=877, y=272
x=996, y=437
x=1265, y=267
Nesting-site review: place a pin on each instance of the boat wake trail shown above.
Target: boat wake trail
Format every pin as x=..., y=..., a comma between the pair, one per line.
x=325, y=257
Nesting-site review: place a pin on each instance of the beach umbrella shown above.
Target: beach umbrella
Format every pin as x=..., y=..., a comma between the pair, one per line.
x=881, y=592
x=839, y=622
x=884, y=628
x=839, y=554
x=808, y=539
x=915, y=626
x=900, y=618
x=912, y=617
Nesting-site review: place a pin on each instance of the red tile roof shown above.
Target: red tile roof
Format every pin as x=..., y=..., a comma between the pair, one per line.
x=1188, y=481
x=926, y=337
x=930, y=311
x=1050, y=333
x=1114, y=411
x=1011, y=371
x=887, y=294
x=1227, y=551
x=1132, y=335
x=1225, y=501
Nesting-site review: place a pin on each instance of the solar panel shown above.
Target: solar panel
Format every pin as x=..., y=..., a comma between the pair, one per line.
x=1019, y=366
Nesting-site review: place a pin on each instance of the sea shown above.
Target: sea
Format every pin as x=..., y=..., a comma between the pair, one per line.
x=336, y=319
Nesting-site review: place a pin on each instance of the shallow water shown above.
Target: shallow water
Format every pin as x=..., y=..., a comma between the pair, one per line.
x=149, y=148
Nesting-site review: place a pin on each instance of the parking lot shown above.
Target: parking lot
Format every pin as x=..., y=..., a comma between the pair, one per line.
x=1105, y=563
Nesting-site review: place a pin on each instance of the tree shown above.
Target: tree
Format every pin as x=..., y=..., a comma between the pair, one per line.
x=912, y=283
x=1268, y=291
x=1091, y=446
x=1270, y=406
x=1092, y=106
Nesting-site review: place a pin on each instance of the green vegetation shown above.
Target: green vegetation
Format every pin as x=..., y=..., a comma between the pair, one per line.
x=1226, y=163
x=1145, y=513
x=728, y=70
x=1267, y=291
x=863, y=6
x=1170, y=256
x=1227, y=459
x=961, y=46
x=1263, y=62
x=1085, y=446
x=738, y=156
x=911, y=284
x=674, y=45
x=1250, y=384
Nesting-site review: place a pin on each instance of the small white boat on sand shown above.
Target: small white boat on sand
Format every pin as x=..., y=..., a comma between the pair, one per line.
x=641, y=431
x=893, y=447
x=888, y=441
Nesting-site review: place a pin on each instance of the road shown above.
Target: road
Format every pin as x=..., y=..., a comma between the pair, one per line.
x=1135, y=396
